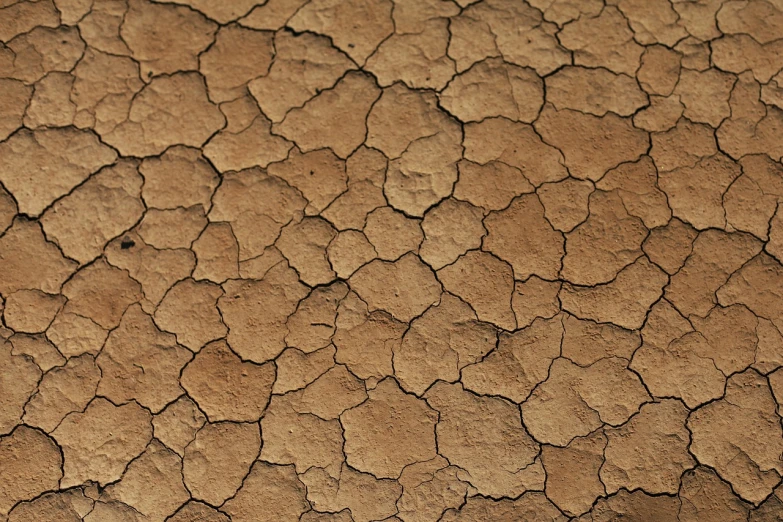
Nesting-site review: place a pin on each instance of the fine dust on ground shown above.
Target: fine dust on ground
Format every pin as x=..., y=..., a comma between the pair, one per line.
x=401, y=260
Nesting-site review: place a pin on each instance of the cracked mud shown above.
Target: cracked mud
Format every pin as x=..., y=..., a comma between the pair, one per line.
x=391, y=260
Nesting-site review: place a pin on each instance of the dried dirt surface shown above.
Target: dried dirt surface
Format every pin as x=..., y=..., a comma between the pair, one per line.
x=391, y=260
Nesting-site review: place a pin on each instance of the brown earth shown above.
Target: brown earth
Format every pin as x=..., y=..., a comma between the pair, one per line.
x=401, y=260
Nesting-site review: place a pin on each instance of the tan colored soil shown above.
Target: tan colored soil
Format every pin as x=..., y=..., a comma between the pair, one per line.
x=391, y=260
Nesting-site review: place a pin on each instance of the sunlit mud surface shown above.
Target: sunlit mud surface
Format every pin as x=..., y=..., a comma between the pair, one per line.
x=401, y=260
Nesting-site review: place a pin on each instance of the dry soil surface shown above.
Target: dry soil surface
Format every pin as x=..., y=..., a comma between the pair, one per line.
x=402, y=260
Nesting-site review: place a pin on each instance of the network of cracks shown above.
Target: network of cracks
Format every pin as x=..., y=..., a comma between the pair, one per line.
x=400, y=260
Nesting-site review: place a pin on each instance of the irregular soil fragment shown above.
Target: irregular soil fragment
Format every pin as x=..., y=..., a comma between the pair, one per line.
x=30, y=465
x=440, y=343
x=250, y=307
x=225, y=387
x=404, y=288
x=100, y=442
x=486, y=283
x=630, y=463
x=616, y=302
x=406, y=419
x=219, y=458
x=722, y=437
x=484, y=436
x=139, y=362
x=28, y=156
